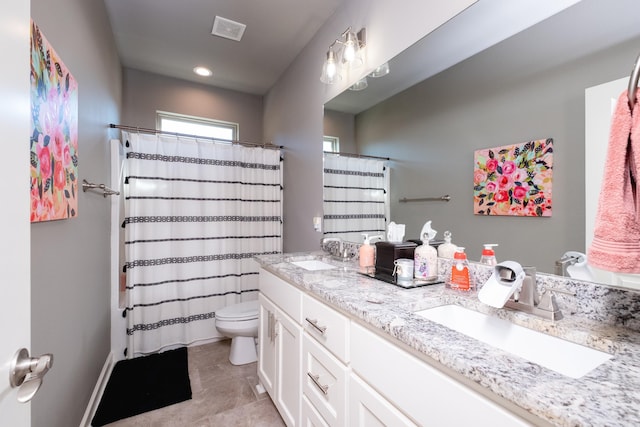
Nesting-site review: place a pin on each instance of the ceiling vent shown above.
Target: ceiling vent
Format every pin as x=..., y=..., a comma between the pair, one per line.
x=227, y=28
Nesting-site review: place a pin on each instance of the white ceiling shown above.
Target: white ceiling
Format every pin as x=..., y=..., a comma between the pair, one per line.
x=170, y=37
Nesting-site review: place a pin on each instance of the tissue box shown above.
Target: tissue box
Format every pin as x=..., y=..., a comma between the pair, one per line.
x=388, y=252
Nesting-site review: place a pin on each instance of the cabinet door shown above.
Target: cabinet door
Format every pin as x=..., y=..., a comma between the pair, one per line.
x=266, y=344
x=288, y=356
x=368, y=409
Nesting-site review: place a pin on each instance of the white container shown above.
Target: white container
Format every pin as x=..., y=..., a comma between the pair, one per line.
x=447, y=249
x=403, y=269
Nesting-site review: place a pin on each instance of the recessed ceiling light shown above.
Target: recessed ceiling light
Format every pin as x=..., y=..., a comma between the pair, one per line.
x=203, y=71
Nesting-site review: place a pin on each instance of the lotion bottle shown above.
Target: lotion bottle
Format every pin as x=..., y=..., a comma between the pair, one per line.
x=366, y=254
x=447, y=249
x=426, y=256
x=460, y=278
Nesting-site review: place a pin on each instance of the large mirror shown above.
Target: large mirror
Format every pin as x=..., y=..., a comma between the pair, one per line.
x=530, y=86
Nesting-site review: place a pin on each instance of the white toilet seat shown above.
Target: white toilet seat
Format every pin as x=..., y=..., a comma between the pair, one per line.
x=240, y=323
x=239, y=312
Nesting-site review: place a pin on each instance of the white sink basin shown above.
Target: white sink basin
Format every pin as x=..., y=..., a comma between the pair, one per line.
x=564, y=357
x=313, y=265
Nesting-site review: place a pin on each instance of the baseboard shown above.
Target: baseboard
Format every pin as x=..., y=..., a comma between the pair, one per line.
x=97, y=391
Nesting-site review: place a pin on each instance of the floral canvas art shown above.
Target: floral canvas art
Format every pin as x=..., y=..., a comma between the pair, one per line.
x=514, y=179
x=54, y=134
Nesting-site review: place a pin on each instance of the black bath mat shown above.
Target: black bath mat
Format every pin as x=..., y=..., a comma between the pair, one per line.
x=144, y=384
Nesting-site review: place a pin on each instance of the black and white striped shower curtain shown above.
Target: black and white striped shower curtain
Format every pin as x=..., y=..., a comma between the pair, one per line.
x=355, y=197
x=196, y=213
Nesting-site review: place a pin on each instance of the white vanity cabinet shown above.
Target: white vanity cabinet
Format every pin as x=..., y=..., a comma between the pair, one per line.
x=323, y=368
x=280, y=345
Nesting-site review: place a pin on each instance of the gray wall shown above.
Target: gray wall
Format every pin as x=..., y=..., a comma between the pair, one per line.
x=145, y=93
x=502, y=96
x=293, y=107
x=341, y=125
x=70, y=258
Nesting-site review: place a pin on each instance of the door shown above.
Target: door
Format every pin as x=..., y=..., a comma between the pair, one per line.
x=266, y=345
x=288, y=356
x=15, y=288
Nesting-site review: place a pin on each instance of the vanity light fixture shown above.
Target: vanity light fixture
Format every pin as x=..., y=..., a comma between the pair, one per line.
x=330, y=73
x=353, y=47
x=350, y=55
x=382, y=70
x=360, y=84
x=202, y=71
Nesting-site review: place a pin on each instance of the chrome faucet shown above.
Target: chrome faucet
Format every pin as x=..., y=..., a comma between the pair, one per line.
x=325, y=240
x=563, y=263
x=528, y=300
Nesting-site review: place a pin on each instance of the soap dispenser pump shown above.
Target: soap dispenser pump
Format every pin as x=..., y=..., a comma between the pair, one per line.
x=366, y=253
x=460, y=278
x=488, y=254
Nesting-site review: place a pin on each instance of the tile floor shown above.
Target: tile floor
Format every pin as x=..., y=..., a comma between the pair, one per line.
x=222, y=395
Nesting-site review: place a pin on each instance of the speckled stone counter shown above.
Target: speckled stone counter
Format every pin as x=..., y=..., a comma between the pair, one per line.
x=599, y=317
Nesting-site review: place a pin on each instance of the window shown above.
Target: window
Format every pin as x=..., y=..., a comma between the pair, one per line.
x=179, y=123
x=331, y=144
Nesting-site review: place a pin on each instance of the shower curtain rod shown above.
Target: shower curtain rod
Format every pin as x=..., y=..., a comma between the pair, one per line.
x=339, y=153
x=269, y=145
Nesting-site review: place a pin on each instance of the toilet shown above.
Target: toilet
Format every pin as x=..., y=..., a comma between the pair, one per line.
x=240, y=323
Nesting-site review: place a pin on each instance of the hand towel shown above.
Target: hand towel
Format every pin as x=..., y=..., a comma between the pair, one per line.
x=616, y=241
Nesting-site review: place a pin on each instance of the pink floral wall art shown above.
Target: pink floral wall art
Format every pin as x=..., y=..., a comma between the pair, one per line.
x=514, y=179
x=54, y=134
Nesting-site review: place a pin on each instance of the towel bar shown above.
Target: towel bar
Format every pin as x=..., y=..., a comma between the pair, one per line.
x=106, y=191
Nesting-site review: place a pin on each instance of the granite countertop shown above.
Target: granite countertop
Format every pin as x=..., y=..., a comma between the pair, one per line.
x=607, y=396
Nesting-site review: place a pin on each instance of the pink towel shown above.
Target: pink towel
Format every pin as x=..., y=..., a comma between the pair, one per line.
x=616, y=241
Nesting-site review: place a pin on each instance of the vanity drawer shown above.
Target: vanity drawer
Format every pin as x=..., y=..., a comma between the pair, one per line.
x=324, y=382
x=311, y=417
x=326, y=325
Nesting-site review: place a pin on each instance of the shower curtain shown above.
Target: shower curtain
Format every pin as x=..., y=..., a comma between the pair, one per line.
x=196, y=213
x=355, y=197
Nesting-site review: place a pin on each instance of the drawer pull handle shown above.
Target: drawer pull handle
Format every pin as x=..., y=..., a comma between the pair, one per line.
x=314, y=323
x=316, y=380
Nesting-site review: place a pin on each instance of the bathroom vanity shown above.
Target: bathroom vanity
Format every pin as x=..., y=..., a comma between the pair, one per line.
x=338, y=348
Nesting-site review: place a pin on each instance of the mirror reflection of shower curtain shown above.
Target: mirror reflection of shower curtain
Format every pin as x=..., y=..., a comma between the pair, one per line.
x=355, y=197
x=196, y=213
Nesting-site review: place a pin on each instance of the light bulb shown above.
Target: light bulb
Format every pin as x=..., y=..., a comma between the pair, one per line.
x=330, y=69
x=349, y=53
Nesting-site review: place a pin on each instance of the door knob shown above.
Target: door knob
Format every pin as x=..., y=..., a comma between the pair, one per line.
x=26, y=373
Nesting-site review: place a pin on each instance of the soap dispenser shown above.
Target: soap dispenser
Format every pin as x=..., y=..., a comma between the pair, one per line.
x=425, y=256
x=366, y=254
x=488, y=255
x=460, y=278
x=447, y=249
